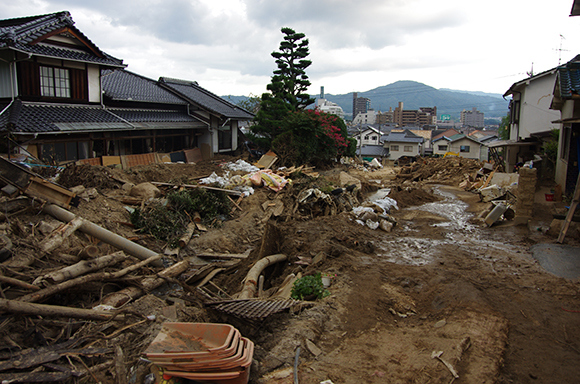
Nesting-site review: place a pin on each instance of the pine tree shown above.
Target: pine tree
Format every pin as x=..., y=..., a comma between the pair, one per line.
x=287, y=89
x=290, y=81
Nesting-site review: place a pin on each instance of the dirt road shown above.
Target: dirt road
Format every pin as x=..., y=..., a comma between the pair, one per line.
x=441, y=298
x=437, y=282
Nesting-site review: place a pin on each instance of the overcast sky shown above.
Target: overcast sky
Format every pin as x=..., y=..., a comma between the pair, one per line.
x=225, y=45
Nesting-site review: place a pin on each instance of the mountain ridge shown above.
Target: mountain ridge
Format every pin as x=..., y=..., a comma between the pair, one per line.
x=415, y=95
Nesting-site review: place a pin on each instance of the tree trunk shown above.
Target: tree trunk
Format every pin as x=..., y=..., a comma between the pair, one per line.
x=47, y=292
x=57, y=237
x=117, y=299
x=21, y=308
x=81, y=268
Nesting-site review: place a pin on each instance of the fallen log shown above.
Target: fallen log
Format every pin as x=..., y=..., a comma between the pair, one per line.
x=117, y=299
x=21, y=308
x=100, y=233
x=57, y=237
x=81, y=268
x=47, y=292
x=251, y=281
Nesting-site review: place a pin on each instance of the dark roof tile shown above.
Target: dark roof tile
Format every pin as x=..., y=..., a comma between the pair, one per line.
x=46, y=118
x=20, y=33
x=195, y=94
x=123, y=85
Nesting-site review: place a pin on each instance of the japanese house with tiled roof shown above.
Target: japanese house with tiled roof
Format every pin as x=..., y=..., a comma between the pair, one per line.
x=399, y=144
x=61, y=97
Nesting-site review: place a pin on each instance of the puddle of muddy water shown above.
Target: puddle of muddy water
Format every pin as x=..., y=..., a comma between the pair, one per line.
x=460, y=233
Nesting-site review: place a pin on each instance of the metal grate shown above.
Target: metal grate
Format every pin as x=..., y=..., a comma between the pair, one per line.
x=253, y=308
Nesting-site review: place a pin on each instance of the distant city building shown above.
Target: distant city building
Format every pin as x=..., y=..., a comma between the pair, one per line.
x=472, y=118
x=369, y=117
x=385, y=117
x=414, y=118
x=328, y=106
x=359, y=104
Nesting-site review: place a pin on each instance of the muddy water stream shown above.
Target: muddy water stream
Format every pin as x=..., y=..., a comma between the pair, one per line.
x=410, y=249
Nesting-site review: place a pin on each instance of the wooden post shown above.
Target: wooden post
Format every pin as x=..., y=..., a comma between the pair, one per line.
x=571, y=211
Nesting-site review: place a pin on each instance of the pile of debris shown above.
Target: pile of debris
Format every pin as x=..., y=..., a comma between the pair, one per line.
x=448, y=170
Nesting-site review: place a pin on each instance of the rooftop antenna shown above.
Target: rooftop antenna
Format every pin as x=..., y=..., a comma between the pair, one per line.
x=531, y=72
x=562, y=38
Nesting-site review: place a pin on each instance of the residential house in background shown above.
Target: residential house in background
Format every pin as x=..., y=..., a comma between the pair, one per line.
x=404, y=143
x=368, y=136
x=368, y=152
x=425, y=134
x=531, y=118
x=441, y=145
x=62, y=98
x=468, y=147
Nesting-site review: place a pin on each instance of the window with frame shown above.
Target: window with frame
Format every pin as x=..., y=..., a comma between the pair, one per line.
x=366, y=137
x=464, y=148
x=442, y=147
x=374, y=137
x=394, y=148
x=408, y=148
x=54, y=82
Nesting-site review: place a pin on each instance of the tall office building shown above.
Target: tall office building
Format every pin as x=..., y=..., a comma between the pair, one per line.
x=359, y=104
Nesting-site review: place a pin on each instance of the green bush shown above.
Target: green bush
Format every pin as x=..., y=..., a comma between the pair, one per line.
x=309, y=286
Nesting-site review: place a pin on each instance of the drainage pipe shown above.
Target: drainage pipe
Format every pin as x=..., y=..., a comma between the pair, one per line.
x=251, y=280
x=101, y=233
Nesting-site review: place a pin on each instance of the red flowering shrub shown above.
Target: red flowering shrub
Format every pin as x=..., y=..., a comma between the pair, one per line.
x=312, y=136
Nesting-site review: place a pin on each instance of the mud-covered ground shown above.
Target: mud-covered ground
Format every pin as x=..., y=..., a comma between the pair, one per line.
x=440, y=288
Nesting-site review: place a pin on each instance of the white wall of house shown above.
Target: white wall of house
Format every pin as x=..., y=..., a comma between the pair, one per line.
x=563, y=142
x=93, y=73
x=535, y=114
x=368, y=137
x=440, y=147
x=397, y=149
x=466, y=148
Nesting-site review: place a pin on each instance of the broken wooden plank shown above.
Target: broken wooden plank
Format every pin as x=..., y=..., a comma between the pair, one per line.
x=224, y=255
x=234, y=203
x=210, y=276
x=47, y=191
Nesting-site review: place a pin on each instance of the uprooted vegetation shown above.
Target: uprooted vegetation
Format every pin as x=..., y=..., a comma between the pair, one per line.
x=380, y=313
